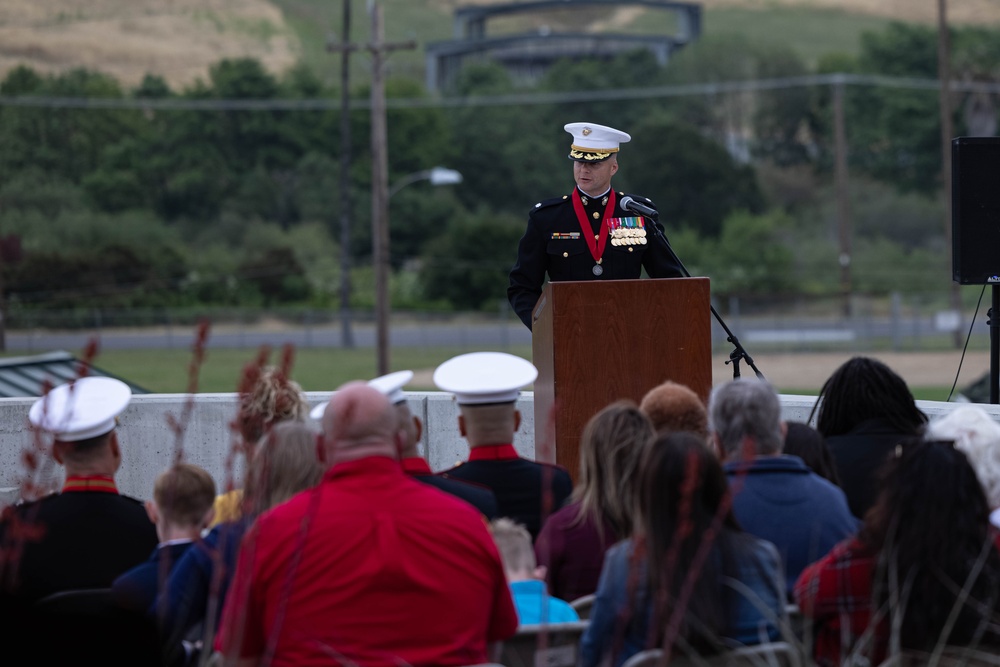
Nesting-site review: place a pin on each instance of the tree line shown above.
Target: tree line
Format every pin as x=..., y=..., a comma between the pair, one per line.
x=130, y=207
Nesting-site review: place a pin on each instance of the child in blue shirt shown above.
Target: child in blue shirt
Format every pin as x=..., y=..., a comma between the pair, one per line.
x=527, y=582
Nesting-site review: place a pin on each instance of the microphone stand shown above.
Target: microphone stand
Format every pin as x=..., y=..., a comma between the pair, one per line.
x=739, y=352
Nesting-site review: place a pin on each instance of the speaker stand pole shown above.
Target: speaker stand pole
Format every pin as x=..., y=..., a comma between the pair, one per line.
x=994, y=323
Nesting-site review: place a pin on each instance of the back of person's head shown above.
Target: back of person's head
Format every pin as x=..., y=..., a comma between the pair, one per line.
x=267, y=397
x=672, y=407
x=285, y=464
x=976, y=434
x=612, y=444
x=863, y=389
x=744, y=412
x=514, y=544
x=410, y=426
x=680, y=481
x=684, y=501
x=359, y=421
x=931, y=527
x=490, y=424
x=93, y=455
x=805, y=442
x=184, y=494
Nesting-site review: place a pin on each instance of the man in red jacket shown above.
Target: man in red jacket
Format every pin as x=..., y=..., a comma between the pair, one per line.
x=371, y=567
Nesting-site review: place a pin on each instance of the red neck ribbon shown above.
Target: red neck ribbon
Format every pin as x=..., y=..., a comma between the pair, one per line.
x=596, y=245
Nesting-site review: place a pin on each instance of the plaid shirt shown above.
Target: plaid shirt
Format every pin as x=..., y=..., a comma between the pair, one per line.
x=836, y=593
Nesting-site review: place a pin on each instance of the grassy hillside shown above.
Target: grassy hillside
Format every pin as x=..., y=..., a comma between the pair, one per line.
x=181, y=38
x=810, y=27
x=128, y=38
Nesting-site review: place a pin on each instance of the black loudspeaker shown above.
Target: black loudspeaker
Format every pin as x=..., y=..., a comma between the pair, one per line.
x=975, y=210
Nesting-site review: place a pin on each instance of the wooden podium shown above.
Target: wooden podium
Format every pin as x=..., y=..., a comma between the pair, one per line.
x=595, y=342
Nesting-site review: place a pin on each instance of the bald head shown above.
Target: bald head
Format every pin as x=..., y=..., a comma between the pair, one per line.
x=359, y=422
x=492, y=424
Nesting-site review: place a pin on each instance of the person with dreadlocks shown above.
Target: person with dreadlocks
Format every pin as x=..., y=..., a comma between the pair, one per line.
x=690, y=581
x=864, y=410
x=925, y=563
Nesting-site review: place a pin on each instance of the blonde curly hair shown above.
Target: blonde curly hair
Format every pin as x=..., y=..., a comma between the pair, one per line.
x=269, y=397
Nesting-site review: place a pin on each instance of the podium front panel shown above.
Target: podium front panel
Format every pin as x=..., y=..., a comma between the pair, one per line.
x=596, y=342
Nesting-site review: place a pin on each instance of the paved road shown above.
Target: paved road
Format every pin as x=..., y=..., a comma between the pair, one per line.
x=404, y=335
x=753, y=332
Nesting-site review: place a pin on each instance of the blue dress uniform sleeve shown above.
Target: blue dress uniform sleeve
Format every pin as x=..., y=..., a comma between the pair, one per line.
x=528, y=274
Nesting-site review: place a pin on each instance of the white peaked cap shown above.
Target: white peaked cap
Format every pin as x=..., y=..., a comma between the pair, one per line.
x=391, y=386
x=85, y=408
x=479, y=378
x=593, y=142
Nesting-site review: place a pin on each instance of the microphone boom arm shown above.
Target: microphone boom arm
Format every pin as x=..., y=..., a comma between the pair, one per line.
x=739, y=352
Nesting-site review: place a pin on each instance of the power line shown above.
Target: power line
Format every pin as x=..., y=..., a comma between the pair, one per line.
x=513, y=99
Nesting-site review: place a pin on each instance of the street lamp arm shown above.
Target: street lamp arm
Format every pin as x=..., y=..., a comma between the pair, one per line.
x=408, y=180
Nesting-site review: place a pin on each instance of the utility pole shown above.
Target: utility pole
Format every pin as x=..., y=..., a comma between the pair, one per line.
x=843, y=195
x=345, y=47
x=380, y=184
x=947, y=131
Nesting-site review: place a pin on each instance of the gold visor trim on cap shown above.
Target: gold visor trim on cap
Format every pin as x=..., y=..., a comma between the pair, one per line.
x=577, y=155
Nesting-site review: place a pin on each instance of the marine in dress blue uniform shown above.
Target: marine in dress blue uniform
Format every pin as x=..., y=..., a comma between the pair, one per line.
x=587, y=235
x=486, y=386
x=81, y=538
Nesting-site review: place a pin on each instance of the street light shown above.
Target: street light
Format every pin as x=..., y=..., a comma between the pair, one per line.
x=380, y=254
x=436, y=175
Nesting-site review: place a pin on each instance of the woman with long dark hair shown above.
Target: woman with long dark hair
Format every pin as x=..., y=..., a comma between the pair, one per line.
x=863, y=411
x=573, y=540
x=925, y=561
x=690, y=581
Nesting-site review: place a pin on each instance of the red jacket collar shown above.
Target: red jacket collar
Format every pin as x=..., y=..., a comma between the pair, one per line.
x=90, y=483
x=493, y=453
x=415, y=465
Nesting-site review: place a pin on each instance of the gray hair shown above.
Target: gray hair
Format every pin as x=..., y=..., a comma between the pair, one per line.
x=975, y=434
x=746, y=408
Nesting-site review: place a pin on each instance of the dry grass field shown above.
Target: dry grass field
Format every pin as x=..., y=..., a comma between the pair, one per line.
x=177, y=39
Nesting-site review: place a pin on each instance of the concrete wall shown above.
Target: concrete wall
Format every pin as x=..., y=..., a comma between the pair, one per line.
x=149, y=441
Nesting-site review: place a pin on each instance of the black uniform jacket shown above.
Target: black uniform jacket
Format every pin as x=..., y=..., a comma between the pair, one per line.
x=523, y=488
x=75, y=540
x=553, y=243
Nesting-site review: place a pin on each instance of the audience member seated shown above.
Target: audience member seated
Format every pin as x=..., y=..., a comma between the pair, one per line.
x=775, y=497
x=371, y=567
x=267, y=397
x=413, y=463
x=572, y=543
x=86, y=535
x=976, y=434
x=486, y=386
x=284, y=465
x=924, y=545
x=864, y=411
x=181, y=509
x=807, y=443
x=691, y=580
x=527, y=586
x=672, y=407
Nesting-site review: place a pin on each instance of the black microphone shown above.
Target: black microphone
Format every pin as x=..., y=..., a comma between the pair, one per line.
x=629, y=204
